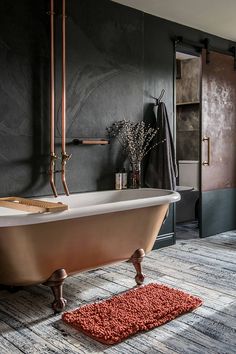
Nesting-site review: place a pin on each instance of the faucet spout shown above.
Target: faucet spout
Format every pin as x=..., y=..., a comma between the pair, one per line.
x=64, y=158
x=53, y=158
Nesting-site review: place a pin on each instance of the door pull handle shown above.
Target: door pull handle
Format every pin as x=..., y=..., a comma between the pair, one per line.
x=208, y=140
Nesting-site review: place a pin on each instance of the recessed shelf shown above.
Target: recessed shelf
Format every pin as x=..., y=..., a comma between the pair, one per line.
x=90, y=141
x=187, y=103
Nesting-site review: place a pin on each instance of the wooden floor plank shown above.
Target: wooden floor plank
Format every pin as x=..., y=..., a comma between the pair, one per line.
x=184, y=330
x=218, y=298
x=6, y=346
x=205, y=258
x=222, y=277
x=199, y=278
x=23, y=339
x=24, y=315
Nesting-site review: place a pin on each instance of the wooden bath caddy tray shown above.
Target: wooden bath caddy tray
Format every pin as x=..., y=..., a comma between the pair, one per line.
x=32, y=205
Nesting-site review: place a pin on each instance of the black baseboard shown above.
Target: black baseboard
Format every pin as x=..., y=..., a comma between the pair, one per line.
x=164, y=241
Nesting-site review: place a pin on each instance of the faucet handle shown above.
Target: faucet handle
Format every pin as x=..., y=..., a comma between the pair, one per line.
x=53, y=156
x=65, y=156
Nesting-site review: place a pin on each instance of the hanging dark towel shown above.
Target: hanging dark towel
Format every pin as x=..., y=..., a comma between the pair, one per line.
x=161, y=169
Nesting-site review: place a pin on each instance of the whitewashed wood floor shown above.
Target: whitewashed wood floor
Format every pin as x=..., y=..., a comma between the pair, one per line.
x=206, y=268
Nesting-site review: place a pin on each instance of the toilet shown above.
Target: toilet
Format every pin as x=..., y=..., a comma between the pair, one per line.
x=189, y=190
x=188, y=175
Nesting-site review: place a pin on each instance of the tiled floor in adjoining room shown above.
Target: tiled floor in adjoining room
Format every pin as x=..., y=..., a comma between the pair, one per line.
x=187, y=230
x=202, y=267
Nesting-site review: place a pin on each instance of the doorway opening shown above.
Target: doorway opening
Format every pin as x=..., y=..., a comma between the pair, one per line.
x=188, y=115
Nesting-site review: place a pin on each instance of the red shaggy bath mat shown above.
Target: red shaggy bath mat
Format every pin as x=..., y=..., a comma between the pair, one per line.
x=140, y=309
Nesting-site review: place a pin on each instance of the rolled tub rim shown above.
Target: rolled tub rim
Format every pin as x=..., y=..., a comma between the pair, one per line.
x=19, y=219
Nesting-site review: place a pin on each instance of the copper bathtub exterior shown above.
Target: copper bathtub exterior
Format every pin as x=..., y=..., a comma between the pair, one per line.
x=30, y=254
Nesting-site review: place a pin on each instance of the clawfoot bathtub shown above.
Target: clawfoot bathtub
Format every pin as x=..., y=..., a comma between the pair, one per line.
x=98, y=229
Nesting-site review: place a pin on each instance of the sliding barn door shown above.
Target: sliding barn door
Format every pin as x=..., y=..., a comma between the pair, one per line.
x=218, y=170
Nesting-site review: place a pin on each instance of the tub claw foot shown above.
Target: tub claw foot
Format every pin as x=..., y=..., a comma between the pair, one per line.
x=59, y=305
x=55, y=282
x=136, y=259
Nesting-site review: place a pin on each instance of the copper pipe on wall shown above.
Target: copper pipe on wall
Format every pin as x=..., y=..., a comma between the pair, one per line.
x=53, y=156
x=65, y=156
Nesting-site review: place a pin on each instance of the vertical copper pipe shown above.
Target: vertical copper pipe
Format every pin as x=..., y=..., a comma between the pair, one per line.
x=63, y=99
x=53, y=156
x=52, y=78
x=65, y=156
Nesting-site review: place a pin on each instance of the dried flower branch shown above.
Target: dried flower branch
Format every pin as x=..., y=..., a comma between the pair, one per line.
x=135, y=138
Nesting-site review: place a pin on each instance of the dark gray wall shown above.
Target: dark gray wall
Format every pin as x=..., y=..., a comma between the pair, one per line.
x=104, y=84
x=23, y=97
x=117, y=58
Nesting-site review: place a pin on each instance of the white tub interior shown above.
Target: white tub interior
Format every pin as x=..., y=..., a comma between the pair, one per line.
x=92, y=203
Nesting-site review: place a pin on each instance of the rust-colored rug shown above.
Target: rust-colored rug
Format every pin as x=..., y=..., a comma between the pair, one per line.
x=113, y=320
